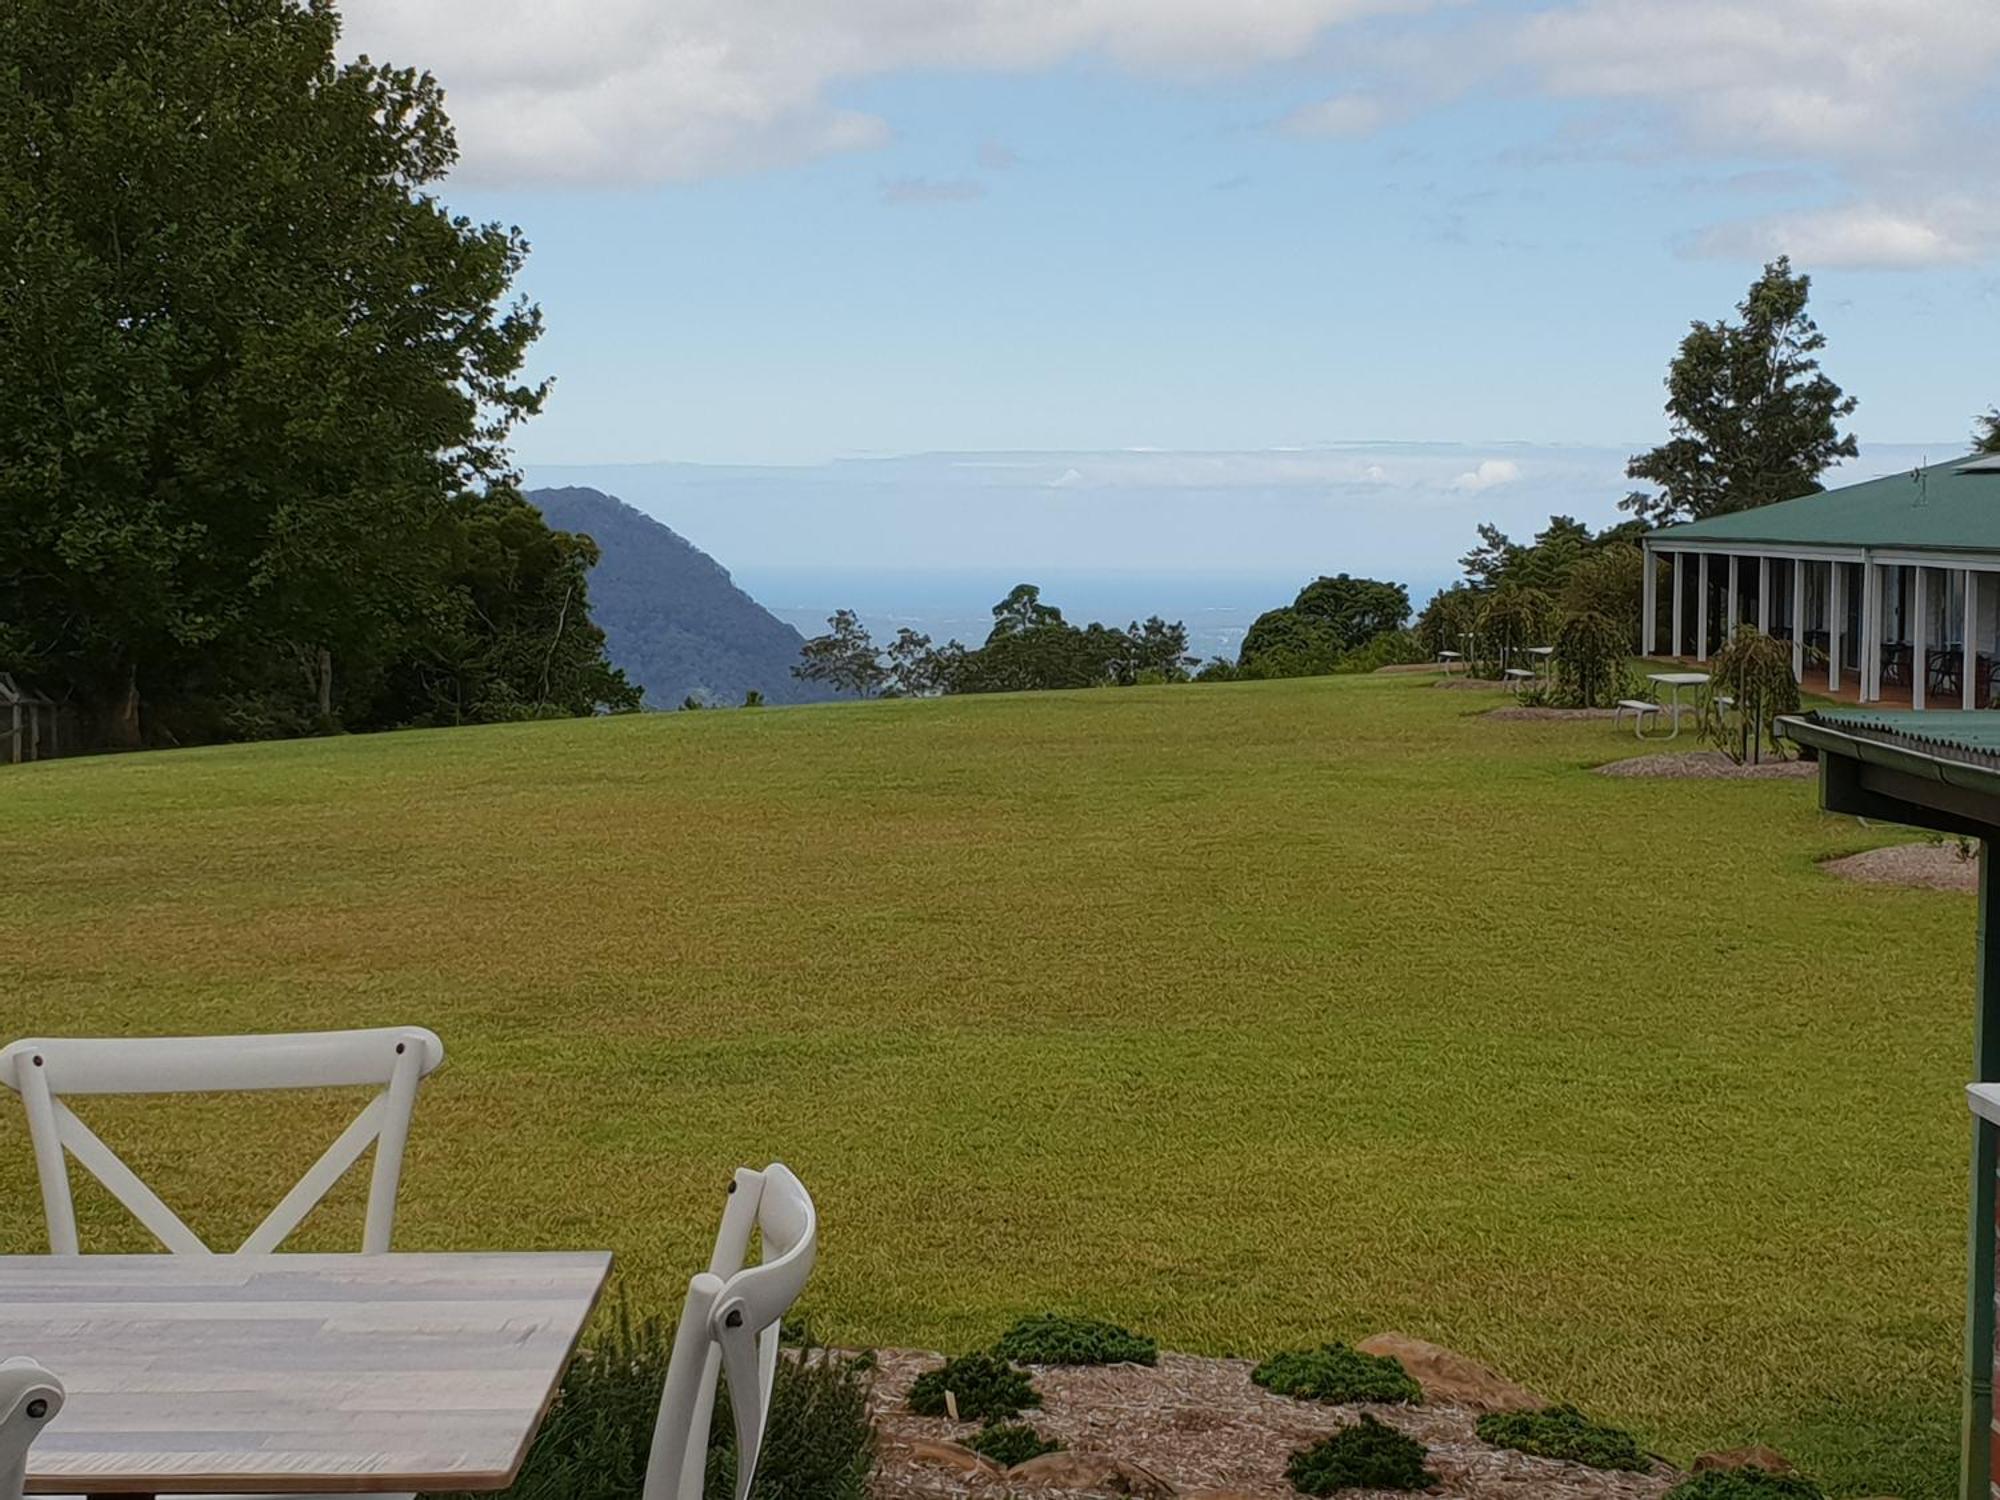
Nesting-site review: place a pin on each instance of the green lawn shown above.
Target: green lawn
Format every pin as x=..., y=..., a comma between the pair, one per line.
x=1247, y=1015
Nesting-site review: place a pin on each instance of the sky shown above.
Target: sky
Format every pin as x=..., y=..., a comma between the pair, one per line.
x=1136, y=241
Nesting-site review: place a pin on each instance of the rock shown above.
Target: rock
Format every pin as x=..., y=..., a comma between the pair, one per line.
x=1755, y=1456
x=1092, y=1474
x=1451, y=1379
x=953, y=1456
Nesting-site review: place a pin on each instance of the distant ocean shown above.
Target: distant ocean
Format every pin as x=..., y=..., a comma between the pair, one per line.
x=1216, y=611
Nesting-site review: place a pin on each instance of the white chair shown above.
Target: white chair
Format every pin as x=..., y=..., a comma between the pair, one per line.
x=45, y=1072
x=730, y=1321
x=29, y=1397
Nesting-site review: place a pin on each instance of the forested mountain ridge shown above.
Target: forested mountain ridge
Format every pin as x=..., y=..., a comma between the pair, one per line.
x=672, y=617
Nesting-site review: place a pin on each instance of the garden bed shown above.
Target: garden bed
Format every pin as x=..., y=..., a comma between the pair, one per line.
x=1707, y=765
x=1934, y=867
x=1192, y=1427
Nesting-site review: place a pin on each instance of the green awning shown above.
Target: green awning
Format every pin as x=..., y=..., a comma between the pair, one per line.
x=1947, y=507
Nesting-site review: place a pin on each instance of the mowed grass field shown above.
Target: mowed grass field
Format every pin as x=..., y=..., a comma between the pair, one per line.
x=1248, y=1015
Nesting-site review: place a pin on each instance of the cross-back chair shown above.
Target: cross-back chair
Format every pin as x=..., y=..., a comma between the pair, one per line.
x=729, y=1323
x=29, y=1399
x=46, y=1072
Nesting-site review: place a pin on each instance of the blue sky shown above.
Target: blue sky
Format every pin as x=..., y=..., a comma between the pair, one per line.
x=776, y=234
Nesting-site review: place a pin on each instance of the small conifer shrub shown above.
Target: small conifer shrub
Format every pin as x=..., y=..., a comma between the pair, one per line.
x=1566, y=1433
x=1370, y=1455
x=1010, y=1443
x=984, y=1387
x=1056, y=1339
x=1335, y=1372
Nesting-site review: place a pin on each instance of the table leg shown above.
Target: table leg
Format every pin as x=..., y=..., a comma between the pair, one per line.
x=1674, y=731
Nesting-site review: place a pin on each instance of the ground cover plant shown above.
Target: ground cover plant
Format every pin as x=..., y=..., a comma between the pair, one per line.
x=1010, y=1443
x=982, y=1388
x=1411, y=1022
x=1058, y=1339
x=819, y=1443
x=1566, y=1433
x=1370, y=1455
x=1335, y=1372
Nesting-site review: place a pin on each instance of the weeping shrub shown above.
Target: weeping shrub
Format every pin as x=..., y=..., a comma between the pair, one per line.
x=1589, y=667
x=1756, y=672
x=1512, y=619
x=1451, y=616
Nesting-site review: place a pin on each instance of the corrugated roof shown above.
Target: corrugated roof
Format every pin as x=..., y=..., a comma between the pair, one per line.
x=1947, y=507
x=1971, y=736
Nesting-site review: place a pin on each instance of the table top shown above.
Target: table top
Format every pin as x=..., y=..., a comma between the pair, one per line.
x=289, y=1373
x=1678, y=679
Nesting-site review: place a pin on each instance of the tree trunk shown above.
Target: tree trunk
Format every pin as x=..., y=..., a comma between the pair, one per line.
x=121, y=724
x=325, y=687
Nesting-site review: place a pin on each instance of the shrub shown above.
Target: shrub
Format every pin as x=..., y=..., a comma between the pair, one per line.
x=1334, y=1372
x=1589, y=666
x=1511, y=619
x=1448, y=619
x=1010, y=1443
x=1609, y=582
x=1746, y=1484
x=594, y=1445
x=1391, y=648
x=1367, y=1456
x=1054, y=1339
x=984, y=1386
x=1563, y=1432
x=1756, y=671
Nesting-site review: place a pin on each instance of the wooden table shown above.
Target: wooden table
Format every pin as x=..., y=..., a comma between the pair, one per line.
x=294, y=1373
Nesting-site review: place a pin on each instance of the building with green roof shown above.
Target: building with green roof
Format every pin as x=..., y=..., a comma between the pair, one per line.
x=1884, y=588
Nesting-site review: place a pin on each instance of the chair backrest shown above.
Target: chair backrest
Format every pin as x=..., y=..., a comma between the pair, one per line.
x=29, y=1399
x=44, y=1072
x=730, y=1322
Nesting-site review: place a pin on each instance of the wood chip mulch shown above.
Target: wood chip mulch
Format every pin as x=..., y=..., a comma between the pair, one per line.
x=1200, y=1425
x=1708, y=765
x=1933, y=867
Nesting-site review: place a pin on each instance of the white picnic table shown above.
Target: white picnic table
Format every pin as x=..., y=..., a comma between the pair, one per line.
x=1674, y=682
x=283, y=1373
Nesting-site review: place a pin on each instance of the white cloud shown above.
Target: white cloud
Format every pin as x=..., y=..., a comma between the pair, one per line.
x=1857, y=235
x=1343, y=116
x=650, y=90
x=1886, y=95
x=1491, y=471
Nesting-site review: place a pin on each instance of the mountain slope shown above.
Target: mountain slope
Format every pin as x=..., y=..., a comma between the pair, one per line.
x=671, y=617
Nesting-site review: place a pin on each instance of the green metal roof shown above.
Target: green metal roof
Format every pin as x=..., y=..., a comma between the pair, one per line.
x=1947, y=507
x=1947, y=731
x=1946, y=747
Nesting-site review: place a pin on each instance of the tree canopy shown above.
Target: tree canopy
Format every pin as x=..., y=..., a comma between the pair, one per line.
x=1030, y=647
x=260, y=382
x=1328, y=619
x=1752, y=418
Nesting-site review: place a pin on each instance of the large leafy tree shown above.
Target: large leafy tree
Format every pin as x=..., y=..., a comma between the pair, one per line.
x=256, y=376
x=844, y=658
x=1328, y=618
x=1752, y=417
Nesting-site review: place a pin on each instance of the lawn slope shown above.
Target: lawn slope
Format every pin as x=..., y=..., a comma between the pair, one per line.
x=1248, y=1015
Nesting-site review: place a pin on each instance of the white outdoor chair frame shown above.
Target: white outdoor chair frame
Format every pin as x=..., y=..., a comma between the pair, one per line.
x=45, y=1071
x=729, y=1322
x=29, y=1399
